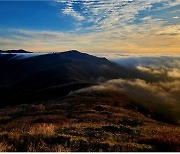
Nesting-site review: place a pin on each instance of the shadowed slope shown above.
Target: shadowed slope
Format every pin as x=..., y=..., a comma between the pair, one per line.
x=20, y=79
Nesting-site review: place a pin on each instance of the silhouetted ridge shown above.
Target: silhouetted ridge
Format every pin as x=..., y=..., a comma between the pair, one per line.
x=74, y=54
x=15, y=51
x=24, y=79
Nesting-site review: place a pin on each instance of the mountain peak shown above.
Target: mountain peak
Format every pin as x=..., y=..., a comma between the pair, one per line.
x=72, y=52
x=76, y=51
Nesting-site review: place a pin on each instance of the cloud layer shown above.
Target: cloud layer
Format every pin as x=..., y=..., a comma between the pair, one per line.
x=161, y=96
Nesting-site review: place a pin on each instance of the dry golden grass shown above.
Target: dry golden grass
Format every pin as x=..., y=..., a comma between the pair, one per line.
x=38, y=147
x=4, y=147
x=43, y=129
x=84, y=123
x=60, y=148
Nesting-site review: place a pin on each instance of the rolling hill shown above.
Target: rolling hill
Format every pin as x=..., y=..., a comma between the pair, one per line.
x=52, y=75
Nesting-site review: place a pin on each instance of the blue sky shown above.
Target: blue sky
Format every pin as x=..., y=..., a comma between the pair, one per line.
x=34, y=15
x=91, y=25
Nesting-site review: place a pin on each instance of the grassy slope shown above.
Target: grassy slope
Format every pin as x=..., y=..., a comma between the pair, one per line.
x=94, y=121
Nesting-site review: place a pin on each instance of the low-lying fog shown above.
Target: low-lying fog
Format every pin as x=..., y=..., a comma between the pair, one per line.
x=161, y=95
x=18, y=56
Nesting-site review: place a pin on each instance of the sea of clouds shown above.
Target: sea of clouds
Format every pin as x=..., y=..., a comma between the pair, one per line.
x=156, y=85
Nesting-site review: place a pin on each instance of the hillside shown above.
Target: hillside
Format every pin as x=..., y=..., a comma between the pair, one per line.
x=25, y=80
x=99, y=121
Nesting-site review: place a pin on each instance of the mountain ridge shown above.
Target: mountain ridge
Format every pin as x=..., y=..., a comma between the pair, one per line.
x=15, y=51
x=21, y=77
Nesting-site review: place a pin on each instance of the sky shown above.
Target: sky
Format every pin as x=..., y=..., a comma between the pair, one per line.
x=93, y=26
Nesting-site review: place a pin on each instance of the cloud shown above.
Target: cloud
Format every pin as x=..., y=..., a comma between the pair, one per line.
x=121, y=25
x=69, y=10
x=175, y=17
x=157, y=66
x=149, y=70
x=174, y=73
x=105, y=26
x=108, y=26
x=170, y=31
x=160, y=98
x=107, y=41
x=110, y=14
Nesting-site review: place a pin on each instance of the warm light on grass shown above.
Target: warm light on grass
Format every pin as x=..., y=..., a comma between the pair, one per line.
x=44, y=129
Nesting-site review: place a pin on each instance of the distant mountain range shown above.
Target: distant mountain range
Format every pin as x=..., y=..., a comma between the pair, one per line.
x=15, y=51
x=52, y=75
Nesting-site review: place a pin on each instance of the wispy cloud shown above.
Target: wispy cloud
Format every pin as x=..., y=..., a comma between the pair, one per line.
x=113, y=24
x=109, y=26
x=175, y=17
x=104, y=41
x=69, y=10
x=110, y=14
